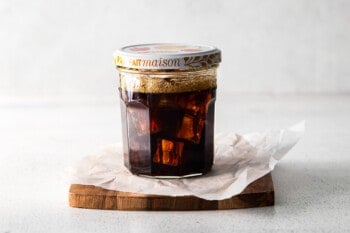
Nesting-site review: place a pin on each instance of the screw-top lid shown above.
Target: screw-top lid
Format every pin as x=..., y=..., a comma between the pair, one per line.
x=167, y=56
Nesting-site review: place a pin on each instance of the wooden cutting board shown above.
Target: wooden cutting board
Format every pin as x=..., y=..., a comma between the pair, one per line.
x=258, y=194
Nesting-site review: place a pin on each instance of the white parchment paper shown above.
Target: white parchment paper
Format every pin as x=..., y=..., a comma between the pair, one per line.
x=239, y=160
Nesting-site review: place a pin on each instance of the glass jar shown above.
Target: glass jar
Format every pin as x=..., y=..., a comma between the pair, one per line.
x=167, y=94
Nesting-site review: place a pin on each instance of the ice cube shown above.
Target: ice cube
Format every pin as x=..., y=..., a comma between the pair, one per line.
x=168, y=152
x=157, y=158
x=166, y=119
x=195, y=104
x=186, y=131
x=155, y=127
x=191, y=128
x=189, y=103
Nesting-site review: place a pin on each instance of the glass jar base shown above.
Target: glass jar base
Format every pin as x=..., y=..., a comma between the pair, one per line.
x=172, y=177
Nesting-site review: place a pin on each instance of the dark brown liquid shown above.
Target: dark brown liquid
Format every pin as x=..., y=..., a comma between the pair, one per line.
x=168, y=134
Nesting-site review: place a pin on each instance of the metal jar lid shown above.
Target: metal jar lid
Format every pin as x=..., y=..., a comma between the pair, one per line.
x=167, y=56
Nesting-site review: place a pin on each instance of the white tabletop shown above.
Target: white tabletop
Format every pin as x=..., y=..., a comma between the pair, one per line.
x=41, y=138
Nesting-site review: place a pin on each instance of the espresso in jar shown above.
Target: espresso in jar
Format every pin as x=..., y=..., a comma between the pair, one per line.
x=168, y=116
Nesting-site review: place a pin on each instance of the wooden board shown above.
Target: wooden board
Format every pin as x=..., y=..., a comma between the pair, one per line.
x=257, y=194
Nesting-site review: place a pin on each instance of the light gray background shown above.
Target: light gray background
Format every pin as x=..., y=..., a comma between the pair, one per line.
x=283, y=61
x=64, y=48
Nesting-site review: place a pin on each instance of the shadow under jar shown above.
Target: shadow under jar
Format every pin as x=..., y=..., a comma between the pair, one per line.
x=167, y=94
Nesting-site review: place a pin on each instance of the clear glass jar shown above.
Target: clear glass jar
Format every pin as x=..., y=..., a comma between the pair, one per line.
x=167, y=112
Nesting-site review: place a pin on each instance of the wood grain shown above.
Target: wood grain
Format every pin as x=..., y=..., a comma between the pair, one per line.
x=257, y=194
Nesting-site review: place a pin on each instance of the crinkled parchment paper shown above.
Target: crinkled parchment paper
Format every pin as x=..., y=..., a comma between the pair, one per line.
x=239, y=160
